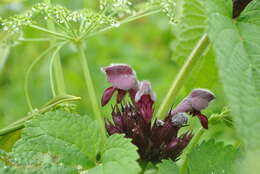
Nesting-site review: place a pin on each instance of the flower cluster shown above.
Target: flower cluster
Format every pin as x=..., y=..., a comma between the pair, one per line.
x=79, y=20
x=62, y=15
x=13, y=24
x=169, y=7
x=158, y=140
x=116, y=7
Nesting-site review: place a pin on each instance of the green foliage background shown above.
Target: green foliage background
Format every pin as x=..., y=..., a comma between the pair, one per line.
x=156, y=50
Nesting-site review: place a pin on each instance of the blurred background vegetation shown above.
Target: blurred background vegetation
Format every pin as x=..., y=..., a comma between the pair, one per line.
x=147, y=44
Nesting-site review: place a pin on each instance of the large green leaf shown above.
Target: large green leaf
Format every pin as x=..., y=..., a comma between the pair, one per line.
x=190, y=27
x=211, y=157
x=237, y=46
x=61, y=142
x=238, y=51
x=71, y=138
x=118, y=156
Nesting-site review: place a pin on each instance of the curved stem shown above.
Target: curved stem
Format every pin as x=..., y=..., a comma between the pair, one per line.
x=26, y=82
x=178, y=83
x=59, y=77
x=54, y=55
x=91, y=89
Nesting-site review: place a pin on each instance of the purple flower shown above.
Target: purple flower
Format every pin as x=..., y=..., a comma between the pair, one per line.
x=123, y=80
x=158, y=140
x=145, y=99
x=196, y=101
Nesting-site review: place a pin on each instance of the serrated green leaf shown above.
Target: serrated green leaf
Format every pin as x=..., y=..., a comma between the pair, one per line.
x=118, y=156
x=167, y=167
x=212, y=157
x=69, y=138
x=191, y=26
x=61, y=142
x=223, y=7
x=238, y=51
x=237, y=46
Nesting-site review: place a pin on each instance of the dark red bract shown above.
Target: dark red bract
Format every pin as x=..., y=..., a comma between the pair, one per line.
x=158, y=140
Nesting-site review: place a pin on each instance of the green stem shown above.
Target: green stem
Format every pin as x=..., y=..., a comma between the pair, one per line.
x=54, y=55
x=53, y=103
x=58, y=73
x=91, y=90
x=26, y=82
x=62, y=36
x=35, y=39
x=178, y=83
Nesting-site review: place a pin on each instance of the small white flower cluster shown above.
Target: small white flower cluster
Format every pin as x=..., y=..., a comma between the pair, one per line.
x=168, y=7
x=118, y=8
x=40, y=7
x=81, y=19
x=84, y=17
x=13, y=24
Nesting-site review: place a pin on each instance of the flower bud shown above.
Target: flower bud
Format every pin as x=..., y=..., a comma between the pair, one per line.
x=179, y=119
x=144, y=99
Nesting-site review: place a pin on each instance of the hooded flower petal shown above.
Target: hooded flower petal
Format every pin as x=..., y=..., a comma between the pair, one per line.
x=121, y=76
x=200, y=98
x=194, y=103
x=145, y=89
x=144, y=99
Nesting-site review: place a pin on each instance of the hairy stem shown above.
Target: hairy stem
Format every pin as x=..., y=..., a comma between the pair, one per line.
x=182, y=76
x=91, y=89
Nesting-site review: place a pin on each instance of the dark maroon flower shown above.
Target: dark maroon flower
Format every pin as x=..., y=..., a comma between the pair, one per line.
x=158, y=140
x=145, y=99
